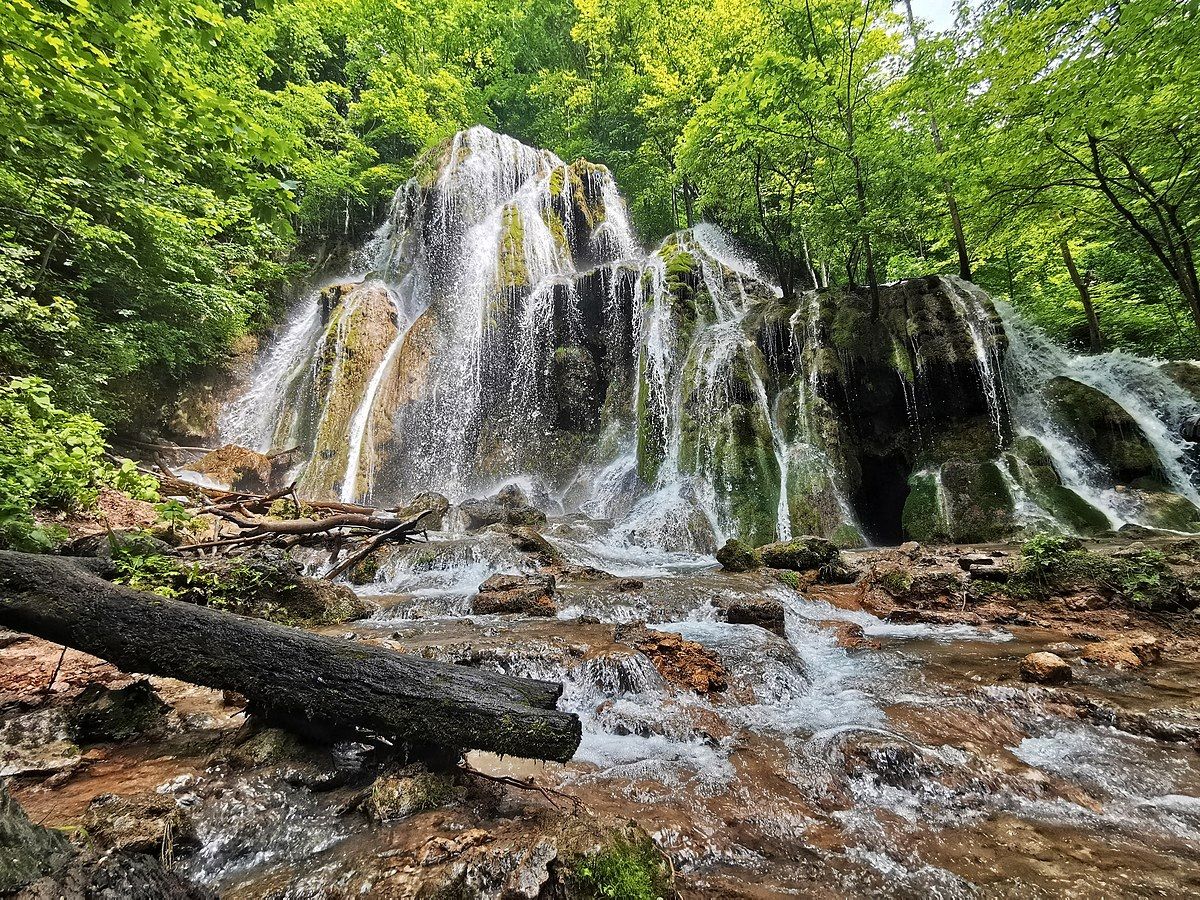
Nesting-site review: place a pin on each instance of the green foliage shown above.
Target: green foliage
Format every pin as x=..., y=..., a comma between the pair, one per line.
x=1053, y=563
x=49, y=459
x=624, y=869
x=238, y=587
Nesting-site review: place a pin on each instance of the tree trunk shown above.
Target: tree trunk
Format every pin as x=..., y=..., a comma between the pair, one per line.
x=1085, y=296
x=323, y=687
x=960, y=239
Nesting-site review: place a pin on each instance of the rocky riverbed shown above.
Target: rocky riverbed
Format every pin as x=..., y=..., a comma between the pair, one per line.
x=854, y=723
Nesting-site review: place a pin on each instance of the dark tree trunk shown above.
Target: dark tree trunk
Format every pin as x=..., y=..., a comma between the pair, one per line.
x=1085, y=296
x=324, y=687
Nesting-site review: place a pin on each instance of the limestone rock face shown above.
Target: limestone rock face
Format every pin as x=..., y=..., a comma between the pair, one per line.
x=1045, y=668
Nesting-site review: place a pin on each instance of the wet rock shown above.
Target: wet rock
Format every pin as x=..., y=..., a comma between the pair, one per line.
x=509, y=507
x=889, y=762
x=115, y=876
x=1104, y=427
x=144, y=823
x=240, y=468
x=530, y=595
x=1130, y=652
x=27, y=851
x=765, y=612
x=736, y=557
x=527, y=540
x=681, y=662
x=271, y=585
x=915, y=586
x=983, y=567
x=935, y=617
x=430, y=506
x=102, y=715
x=481, y=513
x=1045, y=668
x=800, y=554
x=850, y=635
x=412, y=790
x=911, y=549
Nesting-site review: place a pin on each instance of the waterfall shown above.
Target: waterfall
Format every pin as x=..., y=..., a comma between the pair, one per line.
x=504, y=325
x=1138, y=385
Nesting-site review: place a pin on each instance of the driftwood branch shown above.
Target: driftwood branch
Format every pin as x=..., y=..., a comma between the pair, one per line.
x=319, y=686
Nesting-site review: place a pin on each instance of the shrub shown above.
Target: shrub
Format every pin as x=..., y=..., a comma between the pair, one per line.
x=51, y=460
x=625, y=870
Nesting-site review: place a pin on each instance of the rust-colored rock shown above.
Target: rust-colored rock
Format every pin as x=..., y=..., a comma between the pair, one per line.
x=850, y=636
x=684, y=663
x=240, y=468
x=1045, y=668
x=1130, y=652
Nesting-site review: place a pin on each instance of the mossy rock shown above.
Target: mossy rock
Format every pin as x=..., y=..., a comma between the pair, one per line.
x=981, y=507
x=27, y=851
x=1103, y=426
x=922, y=518
x=1169, y=511
x=103, y=715
x=627, y=865
x=847, y=537
x=1030, y=465
x=737, y=557
x=407, y=792
x=1186, y=374
x=800, y=554
x=512, y=272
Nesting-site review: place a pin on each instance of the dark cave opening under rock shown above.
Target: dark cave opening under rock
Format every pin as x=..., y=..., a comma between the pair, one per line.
x=879, y=500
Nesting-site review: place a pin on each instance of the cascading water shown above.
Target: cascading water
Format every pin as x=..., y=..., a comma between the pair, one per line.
x=1157, y=405
x=508, y=328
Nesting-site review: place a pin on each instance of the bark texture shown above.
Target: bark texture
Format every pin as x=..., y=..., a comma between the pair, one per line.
x=323, y=687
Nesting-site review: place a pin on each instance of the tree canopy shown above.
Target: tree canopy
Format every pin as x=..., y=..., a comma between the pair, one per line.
x=167, y=168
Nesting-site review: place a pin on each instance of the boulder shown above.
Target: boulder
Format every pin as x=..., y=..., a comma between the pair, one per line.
x=430, y=506
x=509, y=507
x=800, y=554
x=240, y=468
x=102, y=715
x=529, y=595
x=1045, y=668
x=736, y=557
x=267, y=584
x=412, y=789
x=681, y=662
x=527, y=540
x=1129, y=652
x=765, y=612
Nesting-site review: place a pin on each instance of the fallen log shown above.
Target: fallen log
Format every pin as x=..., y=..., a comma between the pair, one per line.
x=322, y=687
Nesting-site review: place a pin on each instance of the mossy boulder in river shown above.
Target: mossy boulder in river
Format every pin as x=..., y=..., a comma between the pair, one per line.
x=1105, y=428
